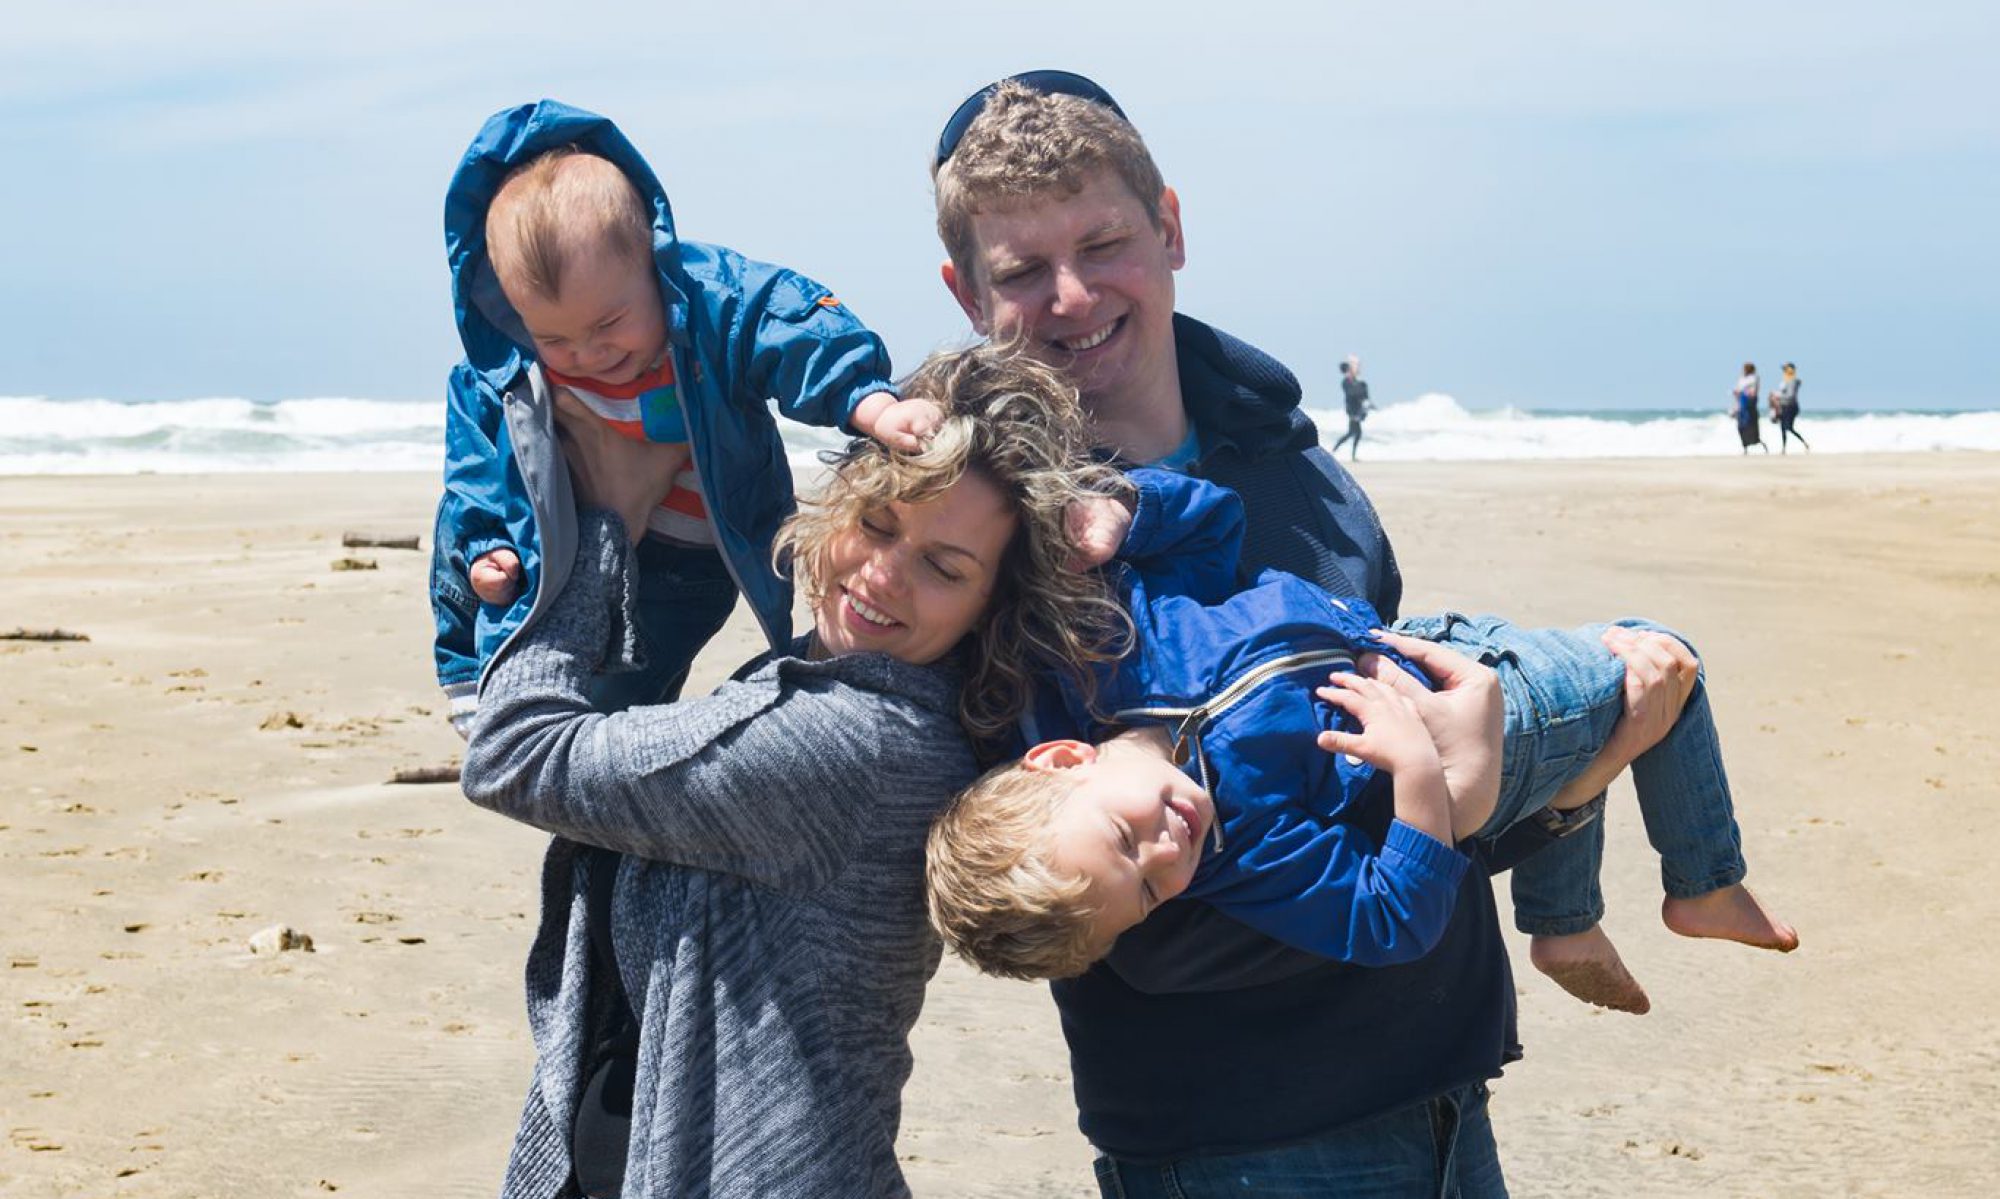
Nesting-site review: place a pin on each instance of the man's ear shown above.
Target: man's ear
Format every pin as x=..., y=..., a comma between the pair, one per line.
x=966, y=292
x=1058, y=755
x=1170, y=224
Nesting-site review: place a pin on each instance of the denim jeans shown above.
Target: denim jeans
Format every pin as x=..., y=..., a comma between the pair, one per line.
x=684, y=595
x=1564, y=692
x=1439, y=1149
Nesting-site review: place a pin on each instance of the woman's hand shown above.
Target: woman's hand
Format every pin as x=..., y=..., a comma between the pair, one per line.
x=1464, y=717
x=608, y=470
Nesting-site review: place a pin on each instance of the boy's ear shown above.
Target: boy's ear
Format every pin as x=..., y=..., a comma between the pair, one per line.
x=1058, y=755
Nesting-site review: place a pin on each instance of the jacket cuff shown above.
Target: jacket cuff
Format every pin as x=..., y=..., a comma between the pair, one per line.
x=861, y=393
x=1146, y=516
x=1425, y=852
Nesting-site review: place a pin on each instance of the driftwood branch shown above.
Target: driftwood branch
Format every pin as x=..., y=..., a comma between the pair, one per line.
x=19, y=634
x=447, y=773
x=365, y=540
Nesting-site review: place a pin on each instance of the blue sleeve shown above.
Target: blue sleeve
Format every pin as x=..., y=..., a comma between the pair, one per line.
x=475, y=470
x=471, y=520
x=1186, y=536
x=1324, y=887
x=804, y=348
x=1327, y=890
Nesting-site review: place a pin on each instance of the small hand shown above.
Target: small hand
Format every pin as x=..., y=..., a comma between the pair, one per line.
x=1393, y=734
x=496, y=576
x=1097, y=527
x=899, y=424
x=1465, y=715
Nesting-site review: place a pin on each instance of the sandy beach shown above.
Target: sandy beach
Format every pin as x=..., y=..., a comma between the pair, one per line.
x=214, y=761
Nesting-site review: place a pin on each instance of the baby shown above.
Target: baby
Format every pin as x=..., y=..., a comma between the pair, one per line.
x=1220, y=767
x=578, y=301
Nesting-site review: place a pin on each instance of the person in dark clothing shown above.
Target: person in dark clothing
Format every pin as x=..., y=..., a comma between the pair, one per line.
x=1355, y=391
x=1745, y=395
x=1785, y=409
x=1061, y=231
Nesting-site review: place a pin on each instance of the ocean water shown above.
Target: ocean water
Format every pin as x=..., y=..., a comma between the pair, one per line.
x=39, y=436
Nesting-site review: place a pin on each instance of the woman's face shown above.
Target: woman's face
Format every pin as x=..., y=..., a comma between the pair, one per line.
x=910, y=580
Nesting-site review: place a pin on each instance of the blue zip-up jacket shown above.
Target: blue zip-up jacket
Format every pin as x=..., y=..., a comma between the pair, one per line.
x=1231, y=672
x=741, y=333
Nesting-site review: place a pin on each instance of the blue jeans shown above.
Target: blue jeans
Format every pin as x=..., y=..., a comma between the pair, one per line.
x=683, y=597
x=1564, y=692
x=1439, y=1149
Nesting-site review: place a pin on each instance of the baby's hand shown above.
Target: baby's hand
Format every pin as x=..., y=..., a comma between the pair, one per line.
x=496, y=576
x=898, y=424
x=1097, y=526
x=1392, y=737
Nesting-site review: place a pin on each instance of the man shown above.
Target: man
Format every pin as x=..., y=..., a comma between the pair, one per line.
x=1309, y=1077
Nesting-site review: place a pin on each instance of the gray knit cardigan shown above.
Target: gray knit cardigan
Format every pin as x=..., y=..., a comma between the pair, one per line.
x=768, y=914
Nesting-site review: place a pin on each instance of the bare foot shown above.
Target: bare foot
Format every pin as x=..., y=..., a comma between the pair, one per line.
x=1587, y=965
x=1729, y=914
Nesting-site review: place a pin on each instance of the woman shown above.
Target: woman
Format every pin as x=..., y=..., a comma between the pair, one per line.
x=1746, y=409
x=766, y=918
x=1785, y=409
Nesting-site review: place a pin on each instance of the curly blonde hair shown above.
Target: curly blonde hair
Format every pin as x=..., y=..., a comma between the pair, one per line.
x=992, y=893
x=1018, y=424
x=1029, y=143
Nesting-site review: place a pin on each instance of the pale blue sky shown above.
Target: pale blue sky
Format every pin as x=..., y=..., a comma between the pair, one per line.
x=1550, y=205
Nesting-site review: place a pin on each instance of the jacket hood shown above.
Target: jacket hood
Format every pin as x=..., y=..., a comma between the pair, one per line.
x=496, y=343
x=1233, y=388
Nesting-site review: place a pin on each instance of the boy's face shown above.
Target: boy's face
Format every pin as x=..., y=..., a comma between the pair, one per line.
x=1088, y=279
x=1133, y=827
x=608, y=325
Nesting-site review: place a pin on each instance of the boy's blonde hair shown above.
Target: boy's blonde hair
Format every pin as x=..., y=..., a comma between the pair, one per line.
x=1029, y=143
x=993, y=895
x=1019, y=425
x=560, y=206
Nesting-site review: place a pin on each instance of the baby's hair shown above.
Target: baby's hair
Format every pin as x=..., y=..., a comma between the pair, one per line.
x=1018, y=424
x=992, y=893
x=1027, y=143
x=557, y=207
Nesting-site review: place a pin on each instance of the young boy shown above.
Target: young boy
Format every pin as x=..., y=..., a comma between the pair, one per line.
x=573, y=292
x=1217, y=776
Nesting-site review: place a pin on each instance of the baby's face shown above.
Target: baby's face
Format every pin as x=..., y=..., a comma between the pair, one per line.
x=1133, y=827
x=608, y=325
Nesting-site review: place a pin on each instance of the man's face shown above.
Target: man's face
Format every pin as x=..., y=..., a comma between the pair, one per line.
x=1089, y=280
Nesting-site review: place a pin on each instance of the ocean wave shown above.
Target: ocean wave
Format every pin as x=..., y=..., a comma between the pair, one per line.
x=222, y=434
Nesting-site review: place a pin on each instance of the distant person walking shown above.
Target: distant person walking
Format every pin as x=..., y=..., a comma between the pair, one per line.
x=1355, y=391
x=1785, y=409
x=1746, y=410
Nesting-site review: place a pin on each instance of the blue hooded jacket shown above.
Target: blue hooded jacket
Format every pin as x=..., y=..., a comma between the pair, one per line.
x=1230, y=672
x=741, y=333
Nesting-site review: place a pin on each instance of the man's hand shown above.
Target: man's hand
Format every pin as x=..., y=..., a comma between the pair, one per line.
x=496, y=576
x=1659, y=677
x=609, y=470
x=1464, y=716
x=899, y=424
x=1097, y=528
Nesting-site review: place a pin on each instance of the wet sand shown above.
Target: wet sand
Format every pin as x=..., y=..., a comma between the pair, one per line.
x=213, y=762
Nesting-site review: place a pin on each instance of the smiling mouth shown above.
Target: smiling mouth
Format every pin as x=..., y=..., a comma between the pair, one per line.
x=869, y=613
x=1188, y=819
x=1091, y=340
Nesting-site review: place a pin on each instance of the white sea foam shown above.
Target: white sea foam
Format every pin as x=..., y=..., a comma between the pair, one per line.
x=102, y=436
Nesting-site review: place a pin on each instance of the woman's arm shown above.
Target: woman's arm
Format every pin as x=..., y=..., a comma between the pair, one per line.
x=767, y=778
